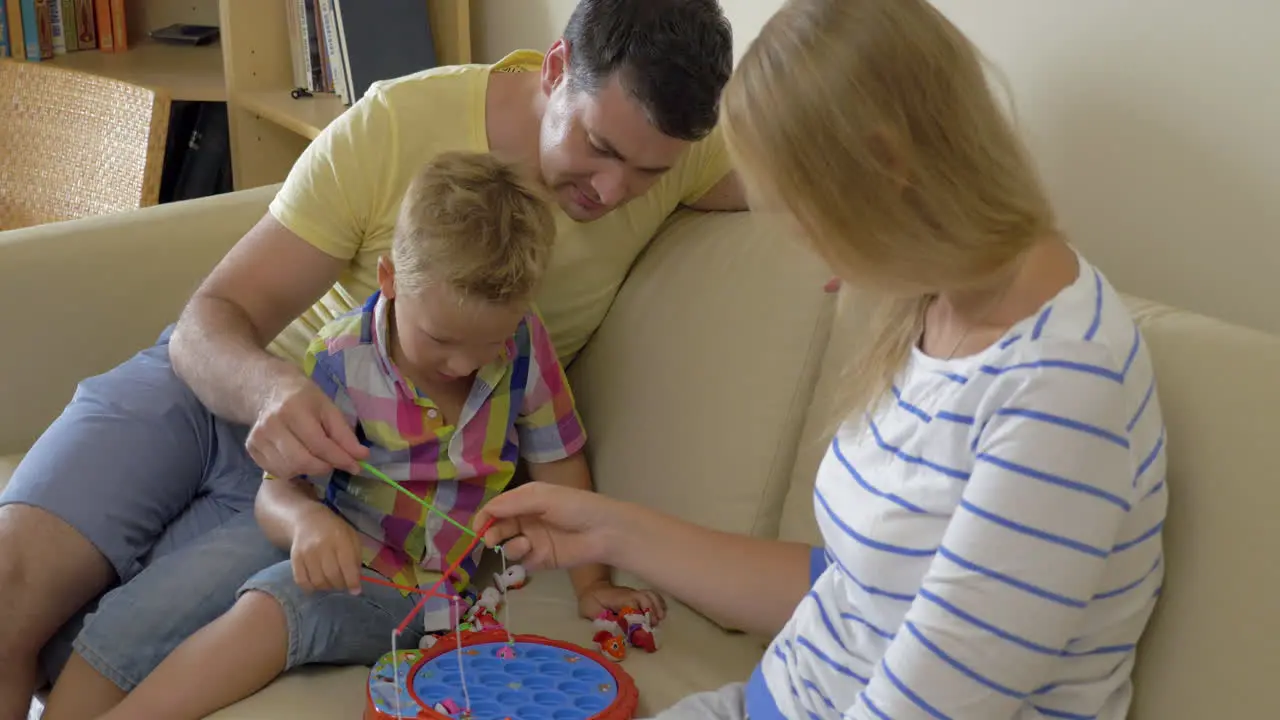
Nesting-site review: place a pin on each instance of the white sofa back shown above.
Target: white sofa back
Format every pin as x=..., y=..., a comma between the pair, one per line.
x=708, y=392
x=695, y=387
x=83, y=295
x=705, y=393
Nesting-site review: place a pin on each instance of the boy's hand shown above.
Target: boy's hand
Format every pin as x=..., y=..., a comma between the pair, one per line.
x=325, y=553
x=604, y=595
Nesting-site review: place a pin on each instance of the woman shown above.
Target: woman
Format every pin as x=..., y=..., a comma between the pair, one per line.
x=992, y=501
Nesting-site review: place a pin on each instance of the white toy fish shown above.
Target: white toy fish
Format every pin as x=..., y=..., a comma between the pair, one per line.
x=513, y=578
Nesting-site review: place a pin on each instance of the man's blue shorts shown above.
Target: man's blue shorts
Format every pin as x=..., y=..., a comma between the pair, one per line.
x=142, y=469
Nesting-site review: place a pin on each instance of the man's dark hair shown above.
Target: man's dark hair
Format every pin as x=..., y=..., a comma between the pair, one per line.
x=673, y=56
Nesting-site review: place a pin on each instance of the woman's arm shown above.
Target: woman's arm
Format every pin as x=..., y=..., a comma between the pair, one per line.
x=572, y=472
x=747, y=583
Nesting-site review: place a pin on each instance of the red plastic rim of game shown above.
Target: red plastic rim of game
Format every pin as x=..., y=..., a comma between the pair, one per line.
x=623, y=708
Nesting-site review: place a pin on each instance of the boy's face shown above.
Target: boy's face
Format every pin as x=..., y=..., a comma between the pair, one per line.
x=443, y=338
x=598, y=150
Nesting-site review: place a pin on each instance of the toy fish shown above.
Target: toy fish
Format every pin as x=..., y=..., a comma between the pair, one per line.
x=608, y=621
x=448, y=707
x=639, y=630
x=611, y=645
x=513, y=578
x=484, y=620
x=644, y=639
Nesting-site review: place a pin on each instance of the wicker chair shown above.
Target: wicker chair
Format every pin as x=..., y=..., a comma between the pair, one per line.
x=74, y=144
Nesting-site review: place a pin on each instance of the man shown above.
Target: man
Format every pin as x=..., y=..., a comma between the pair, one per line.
x=145, y=480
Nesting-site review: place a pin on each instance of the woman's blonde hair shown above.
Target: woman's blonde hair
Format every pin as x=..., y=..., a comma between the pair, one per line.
x=870, y=122
x=472, y=223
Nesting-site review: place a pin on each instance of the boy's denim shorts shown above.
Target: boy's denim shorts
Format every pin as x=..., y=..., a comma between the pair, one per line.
x=336, y=627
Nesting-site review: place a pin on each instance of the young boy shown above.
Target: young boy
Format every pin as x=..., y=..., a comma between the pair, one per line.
x=448, y=376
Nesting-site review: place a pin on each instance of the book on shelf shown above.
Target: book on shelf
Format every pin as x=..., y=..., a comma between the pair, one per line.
x=86, y=25
x=64, y=25
x=36, y=30
x=344, y=46
x=102, y=21
x=55, y=27
x=13, y=21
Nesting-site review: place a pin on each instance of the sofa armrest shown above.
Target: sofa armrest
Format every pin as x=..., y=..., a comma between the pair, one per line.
x=81, y=296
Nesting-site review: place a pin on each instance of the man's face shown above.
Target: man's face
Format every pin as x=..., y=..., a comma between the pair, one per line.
x=599, y=150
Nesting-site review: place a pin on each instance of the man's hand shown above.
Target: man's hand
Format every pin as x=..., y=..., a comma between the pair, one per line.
x=325, y=553
x=300, y=431
x=605, y=595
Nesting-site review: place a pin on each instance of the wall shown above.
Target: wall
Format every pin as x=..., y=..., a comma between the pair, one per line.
x=499, y=26
x=1153, y=122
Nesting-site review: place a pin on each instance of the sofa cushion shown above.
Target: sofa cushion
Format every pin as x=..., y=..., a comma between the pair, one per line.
x=694, y=388
x=694, y=656
x=8, y=464
x=1209, y=649
x=797, y=522
x=121, y=278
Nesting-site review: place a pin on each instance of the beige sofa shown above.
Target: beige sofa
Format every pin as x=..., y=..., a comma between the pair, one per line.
x=704, y=395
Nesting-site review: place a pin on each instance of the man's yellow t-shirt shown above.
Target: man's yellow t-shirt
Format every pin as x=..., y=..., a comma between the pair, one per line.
x=344, y=193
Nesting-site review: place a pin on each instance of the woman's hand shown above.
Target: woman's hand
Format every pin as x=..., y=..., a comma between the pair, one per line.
x=543, y=526
x=749, y=583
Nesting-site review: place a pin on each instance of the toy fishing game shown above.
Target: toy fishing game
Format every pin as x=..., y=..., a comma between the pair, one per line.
x=499, y=677
x=481, y=671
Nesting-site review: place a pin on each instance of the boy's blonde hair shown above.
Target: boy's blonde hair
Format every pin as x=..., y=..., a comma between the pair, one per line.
x=472, y=223
x=871, y=122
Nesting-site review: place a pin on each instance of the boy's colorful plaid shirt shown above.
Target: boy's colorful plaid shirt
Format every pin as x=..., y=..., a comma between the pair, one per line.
x=520, y=405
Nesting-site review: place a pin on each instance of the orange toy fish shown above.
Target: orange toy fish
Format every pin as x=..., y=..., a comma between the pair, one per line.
x=611, y=645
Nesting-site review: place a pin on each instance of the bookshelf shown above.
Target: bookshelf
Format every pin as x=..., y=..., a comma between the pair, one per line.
x=250, y=69
x=185, y=73
x=269, y=128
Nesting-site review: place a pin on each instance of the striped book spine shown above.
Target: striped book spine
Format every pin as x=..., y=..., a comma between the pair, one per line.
x=56, y=29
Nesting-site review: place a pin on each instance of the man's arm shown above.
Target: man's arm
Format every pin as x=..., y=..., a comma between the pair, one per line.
x=726, y=196
x=218, y=348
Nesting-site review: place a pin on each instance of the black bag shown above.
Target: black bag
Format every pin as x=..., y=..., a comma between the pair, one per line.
x=197, y=158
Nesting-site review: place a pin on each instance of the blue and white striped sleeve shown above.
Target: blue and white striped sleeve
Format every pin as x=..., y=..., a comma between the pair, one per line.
x=1026, y=550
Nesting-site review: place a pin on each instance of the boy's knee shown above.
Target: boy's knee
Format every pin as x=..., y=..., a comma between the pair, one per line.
x=259, y=606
